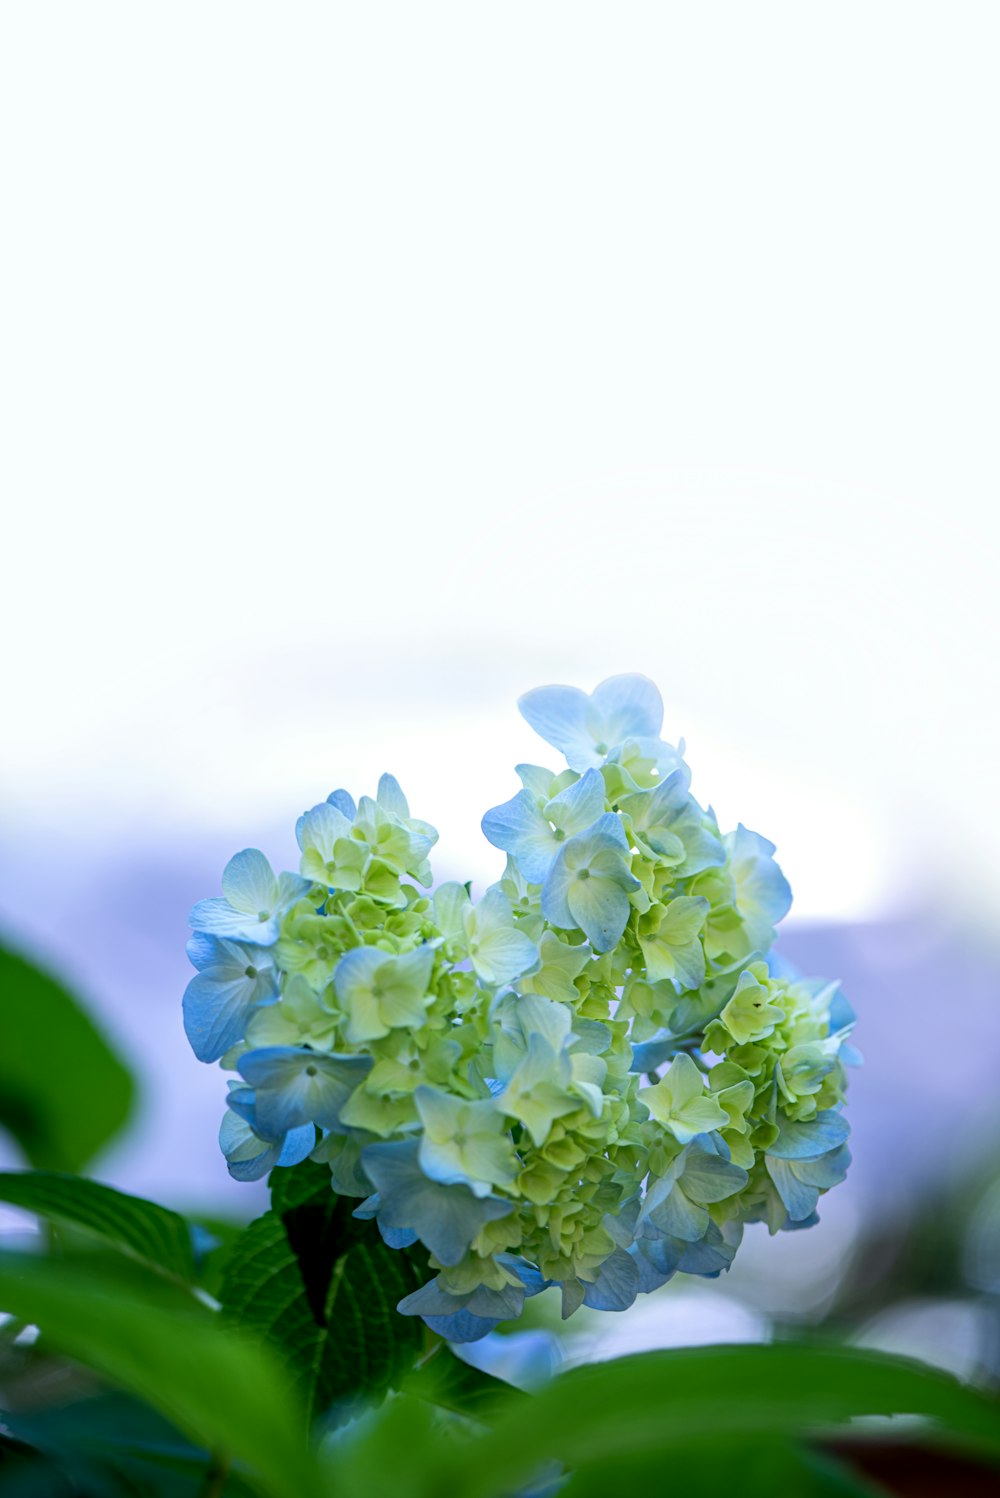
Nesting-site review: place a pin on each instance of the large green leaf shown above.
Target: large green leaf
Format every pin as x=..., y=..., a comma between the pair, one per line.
x=446, y=1380
x=148, y=1232
x=751, y=1466
x=109, y=1445
x=217, y=1387
x=321, y=1287
x=658, y=1404
x=64, y=1093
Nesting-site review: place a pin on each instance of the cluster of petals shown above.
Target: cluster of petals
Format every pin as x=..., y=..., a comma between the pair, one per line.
x=592, y=1077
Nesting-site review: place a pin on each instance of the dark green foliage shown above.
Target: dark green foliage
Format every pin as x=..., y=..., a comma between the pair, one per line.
x=64, y=1093
x=106, y=1446
x=640, y=1414
x=321, y=1287
x=216, y=1387
x=157, y=1237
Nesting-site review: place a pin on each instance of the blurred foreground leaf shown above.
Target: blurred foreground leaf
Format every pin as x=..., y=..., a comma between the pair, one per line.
x=215, y=1386
x=64, y=1093
x=321, y=1287
x=446, y=1380
x=156, y=1236
x=112, y=1446
x=658, y=1405
x=752, y=1466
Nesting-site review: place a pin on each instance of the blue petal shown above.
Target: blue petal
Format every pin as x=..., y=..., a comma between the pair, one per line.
x=841, y=1013
x=397, y=1237
x=616, y=1285
x=651, y=1274
x=679, y=1217
x=601, y=910
x=298, y=1146
x=647, y=1055
x=555, y=904
x=804, y=1141
x=579, y=805
x=609, y=826
x=799, y=1198
x=445, y=1218
x=295, y=1086
x=559, y=715
x=203, y=950
x=235, y=1134
x=390, y=797
x=461, y=1327
x=763, y=895
x=218, y=917
x=249, y=885
x=506, y=1303
x=829, y=1170
x=790, y=1225
x=216, y=1011
x=518, y=828
x=629, y=706
x=709, y=1257
x=344, y=803
x=712, y=1177
x=431, y=1299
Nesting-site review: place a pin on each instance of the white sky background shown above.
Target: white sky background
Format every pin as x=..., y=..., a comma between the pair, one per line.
x=363, y=366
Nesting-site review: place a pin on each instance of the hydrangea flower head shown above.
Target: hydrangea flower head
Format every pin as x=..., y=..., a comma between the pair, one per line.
x=590, y=1076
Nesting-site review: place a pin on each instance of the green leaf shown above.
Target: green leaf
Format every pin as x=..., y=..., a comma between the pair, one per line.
x=217, y=1387
x=111, y=1445
x=148, y=1232
x=446, y=1380
x=64, y=1093
x=752, y=1466
x=656, y=1404
x=321, y=1287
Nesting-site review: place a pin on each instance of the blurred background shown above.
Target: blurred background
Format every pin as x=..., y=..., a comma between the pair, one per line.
x=362, y=367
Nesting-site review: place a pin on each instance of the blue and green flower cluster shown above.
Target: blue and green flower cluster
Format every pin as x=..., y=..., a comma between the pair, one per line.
x=591, y=1077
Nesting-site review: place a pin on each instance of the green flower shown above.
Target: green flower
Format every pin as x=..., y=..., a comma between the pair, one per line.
x=679, y=1102
x=668, y=936
x=464, y=1142
x=750, y=1014
x=299, y=1018
x=379, y=992
x=537, y=1092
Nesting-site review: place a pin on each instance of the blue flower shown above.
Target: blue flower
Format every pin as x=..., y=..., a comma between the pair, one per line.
x=616, y=1284
x=589, y=884
x=253, y=901
x=249, y=1157
x=233, y=980
x=294, y=1086
x=675, y=1204
x=470, y=1315
x=533, y=831
x=444, y=1218
x=806, y=1141
x=586, y=728
x=763, y=894
x=799, y=1182
x=471, y=1066
x=658, y=1259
